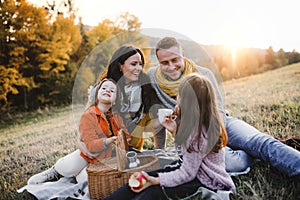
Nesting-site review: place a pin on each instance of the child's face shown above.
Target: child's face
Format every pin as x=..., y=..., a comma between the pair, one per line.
x=107, y=93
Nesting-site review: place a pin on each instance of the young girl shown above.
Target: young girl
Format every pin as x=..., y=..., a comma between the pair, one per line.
x=98, y=127
x=201, y=136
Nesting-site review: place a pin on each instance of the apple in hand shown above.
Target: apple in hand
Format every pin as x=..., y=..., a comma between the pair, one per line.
x=137, y=180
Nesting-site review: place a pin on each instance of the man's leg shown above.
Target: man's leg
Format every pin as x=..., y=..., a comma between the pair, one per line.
x=237, y=161
x=263, y=146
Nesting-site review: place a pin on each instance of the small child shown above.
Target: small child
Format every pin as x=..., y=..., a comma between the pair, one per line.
x=98, y=127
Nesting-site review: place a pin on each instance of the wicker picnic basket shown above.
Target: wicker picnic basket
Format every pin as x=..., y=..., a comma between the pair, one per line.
x=104, y=177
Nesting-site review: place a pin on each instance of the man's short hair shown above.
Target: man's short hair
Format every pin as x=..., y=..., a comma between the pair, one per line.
x=166, y=43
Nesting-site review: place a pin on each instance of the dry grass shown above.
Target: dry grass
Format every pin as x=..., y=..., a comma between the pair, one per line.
x=268, y=101
x=32, y=147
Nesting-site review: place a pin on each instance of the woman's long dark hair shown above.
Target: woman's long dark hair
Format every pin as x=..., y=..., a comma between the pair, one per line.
x=199, y=112
x=113, y=71
x=118, y=58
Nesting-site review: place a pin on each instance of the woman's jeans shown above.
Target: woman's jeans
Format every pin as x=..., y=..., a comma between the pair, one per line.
x=242, y=136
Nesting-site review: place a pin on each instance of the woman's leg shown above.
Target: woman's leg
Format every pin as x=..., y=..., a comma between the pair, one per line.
x=263, y=146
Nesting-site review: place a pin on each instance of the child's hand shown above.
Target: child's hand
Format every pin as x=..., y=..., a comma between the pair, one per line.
x=111, y=140
x=150, y=181
x=170, y=124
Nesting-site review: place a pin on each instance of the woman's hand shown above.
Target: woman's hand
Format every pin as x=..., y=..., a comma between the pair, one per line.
x=150, y=181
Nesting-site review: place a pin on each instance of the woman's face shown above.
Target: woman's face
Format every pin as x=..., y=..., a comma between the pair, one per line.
x=132, y=68
x=107, y=93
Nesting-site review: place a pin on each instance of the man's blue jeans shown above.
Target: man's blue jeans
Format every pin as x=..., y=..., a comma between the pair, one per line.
x=242, y=136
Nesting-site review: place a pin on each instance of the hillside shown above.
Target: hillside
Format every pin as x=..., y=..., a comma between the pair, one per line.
x=269, y=101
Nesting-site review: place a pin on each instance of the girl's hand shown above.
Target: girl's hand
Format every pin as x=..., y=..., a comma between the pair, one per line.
x=170, y=124
x=150, y=181
x=111, y=140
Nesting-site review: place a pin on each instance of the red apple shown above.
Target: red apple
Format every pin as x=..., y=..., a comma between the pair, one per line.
x=137, y=180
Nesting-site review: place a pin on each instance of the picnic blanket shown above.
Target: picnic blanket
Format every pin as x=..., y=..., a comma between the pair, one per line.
x=66, y=188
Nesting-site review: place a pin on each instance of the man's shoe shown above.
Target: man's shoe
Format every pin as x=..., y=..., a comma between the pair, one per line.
x=45, y=176
x=292, y=142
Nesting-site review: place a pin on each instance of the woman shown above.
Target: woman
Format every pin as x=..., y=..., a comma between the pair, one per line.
x=201, y=136
x=98, y=127
x=140, y=102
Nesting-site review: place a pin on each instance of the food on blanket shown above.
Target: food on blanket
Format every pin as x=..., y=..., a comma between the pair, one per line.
x=137, y=180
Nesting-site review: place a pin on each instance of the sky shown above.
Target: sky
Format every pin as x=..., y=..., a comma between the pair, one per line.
x=234, y=23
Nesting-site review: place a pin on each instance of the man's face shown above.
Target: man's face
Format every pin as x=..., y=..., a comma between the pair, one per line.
x=171, y=62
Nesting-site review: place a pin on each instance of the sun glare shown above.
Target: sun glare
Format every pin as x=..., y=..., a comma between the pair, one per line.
x=233, y=49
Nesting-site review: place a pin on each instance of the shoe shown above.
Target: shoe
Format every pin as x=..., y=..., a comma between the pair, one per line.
x=292, y=142
x=45, y=176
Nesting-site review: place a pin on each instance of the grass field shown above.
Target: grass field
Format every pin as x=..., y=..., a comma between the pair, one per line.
x=270, y=101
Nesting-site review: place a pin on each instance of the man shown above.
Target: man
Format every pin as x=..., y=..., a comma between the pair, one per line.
x=173, y=65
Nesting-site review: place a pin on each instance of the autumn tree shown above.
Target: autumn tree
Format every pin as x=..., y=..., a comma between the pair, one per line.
x=293, y=57
x=35, y=55
x=20, y=24
x=128, y=22
x=42, y=47
x=270, y=57
x=281, y=59
x=56, y=70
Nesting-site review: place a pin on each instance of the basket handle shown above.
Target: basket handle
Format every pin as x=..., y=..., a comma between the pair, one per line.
x=121, y=149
